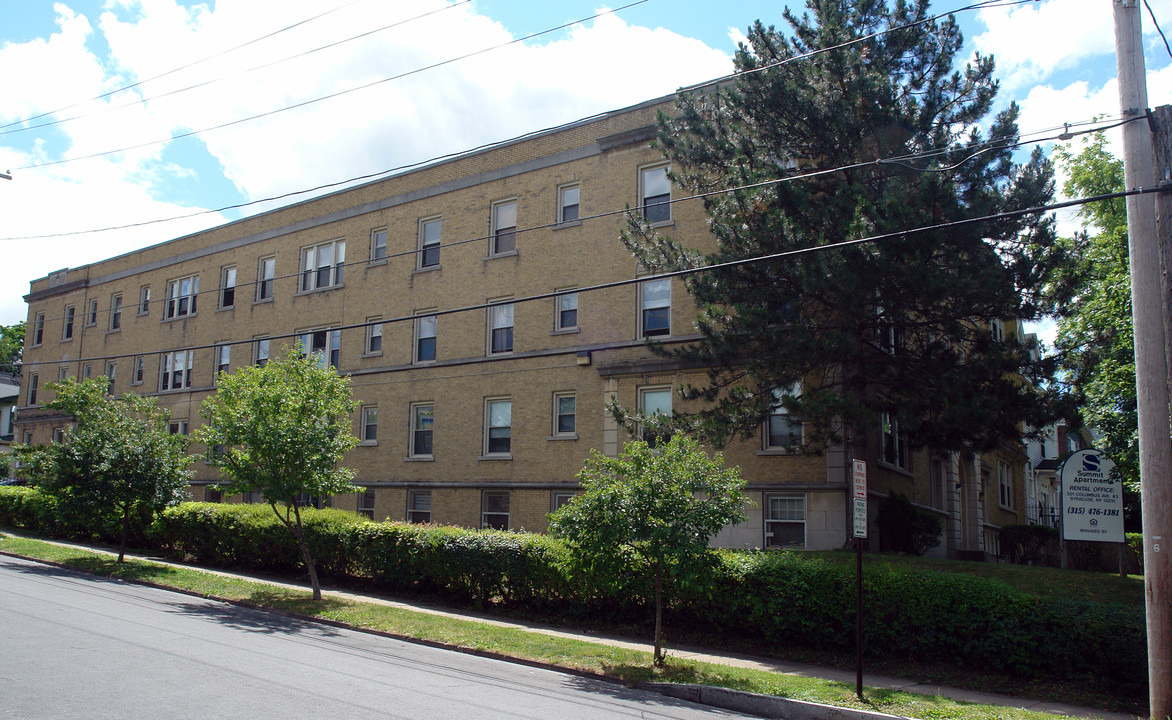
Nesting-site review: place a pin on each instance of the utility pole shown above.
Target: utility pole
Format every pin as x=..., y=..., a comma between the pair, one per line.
x=1151, y=366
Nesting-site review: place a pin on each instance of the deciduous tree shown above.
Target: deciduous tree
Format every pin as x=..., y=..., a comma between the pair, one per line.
x=281, y=430
x=650, y=513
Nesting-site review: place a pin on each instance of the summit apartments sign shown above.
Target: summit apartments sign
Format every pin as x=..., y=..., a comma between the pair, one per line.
x=1092, y=500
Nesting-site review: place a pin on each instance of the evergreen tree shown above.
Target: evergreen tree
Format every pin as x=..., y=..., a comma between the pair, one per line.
x=860, y=107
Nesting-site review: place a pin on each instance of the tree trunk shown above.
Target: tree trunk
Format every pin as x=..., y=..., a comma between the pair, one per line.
x=125, y=531
x=659, y=661
x=303, y=546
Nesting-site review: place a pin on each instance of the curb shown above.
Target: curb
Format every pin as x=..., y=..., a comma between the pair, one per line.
x=768, y=706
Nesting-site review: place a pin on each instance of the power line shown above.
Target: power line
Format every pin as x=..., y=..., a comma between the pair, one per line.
x=899, y=160
x=331, y=96
x=883, y=237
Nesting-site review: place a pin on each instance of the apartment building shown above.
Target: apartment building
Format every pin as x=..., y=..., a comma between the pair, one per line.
x=486, y=313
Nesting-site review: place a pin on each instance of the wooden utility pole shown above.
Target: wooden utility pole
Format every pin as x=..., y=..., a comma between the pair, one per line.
x=1151, y=366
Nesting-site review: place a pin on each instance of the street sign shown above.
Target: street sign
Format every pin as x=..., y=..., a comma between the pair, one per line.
x=860, y=476
x=1092, y=500
x=860, y=498
x=860, y=518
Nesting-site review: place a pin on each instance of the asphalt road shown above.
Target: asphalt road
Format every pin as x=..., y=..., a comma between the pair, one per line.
x=75, y=646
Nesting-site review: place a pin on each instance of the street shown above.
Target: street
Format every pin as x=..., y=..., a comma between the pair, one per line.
x=76, y=646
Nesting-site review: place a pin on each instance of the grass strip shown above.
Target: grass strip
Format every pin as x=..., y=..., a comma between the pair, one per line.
x=629, y=666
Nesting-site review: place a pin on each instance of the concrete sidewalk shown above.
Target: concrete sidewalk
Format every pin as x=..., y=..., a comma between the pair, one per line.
x=692, y=653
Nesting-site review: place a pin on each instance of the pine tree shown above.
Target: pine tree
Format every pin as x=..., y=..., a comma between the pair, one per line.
x=860, y=106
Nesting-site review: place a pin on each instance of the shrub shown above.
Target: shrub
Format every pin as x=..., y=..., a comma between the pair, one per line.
x=1030, y=544
x=905, y=529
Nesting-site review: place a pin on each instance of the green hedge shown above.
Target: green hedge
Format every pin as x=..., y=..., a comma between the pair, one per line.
x=767, y=600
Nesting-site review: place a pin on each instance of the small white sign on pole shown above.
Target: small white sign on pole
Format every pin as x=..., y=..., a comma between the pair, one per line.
x=1092, y=500
x=860, y=498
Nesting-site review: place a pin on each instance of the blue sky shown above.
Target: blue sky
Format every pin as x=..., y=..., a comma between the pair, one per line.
x=1055, y=58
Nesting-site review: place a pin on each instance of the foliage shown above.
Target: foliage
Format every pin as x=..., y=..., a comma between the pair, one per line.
x=650, y=513
x=1092, y=297
x=1030, y=544
x=280, y=429
x=906, y=529
x=11, y=347
x=118, y=466
x=874, y=134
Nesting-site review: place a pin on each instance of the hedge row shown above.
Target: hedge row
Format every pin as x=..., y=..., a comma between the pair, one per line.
x=769, y=600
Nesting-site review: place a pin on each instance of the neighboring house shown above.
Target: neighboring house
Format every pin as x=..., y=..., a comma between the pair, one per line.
x=9, y=392
x=479, y=417
x=1046, y=454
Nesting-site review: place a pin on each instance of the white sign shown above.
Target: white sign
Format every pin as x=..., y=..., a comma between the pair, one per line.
x=860, y=518
x=1092, y=500
x=860, y=476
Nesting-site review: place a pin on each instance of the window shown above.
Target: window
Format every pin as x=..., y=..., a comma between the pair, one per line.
x=887, y=331
x=500, y=328
x=223, y=358
x=67, y=329
x=260, y=352
x=997, y=330
x=176, y=370
x=91, y=317
x=139, y=365
x=178, y=427
x=494, y=510
x=34, y=380
x=418, y=506
x=426, y=327
x=366, y=503
x=785, y=521
x=87, y=372
x=499, y=427
x=936, y=488
x=655, y=194
x=558, y=499
x=62, y=373
x=504, y=228
x=422, y=427
x=567, y=309
x=893, y=442
x=144, y=300
x=321, y=265
x=265, y=272
x=182, y=295
x=370, y=426
x=39, y=329
x=654, y=402
x=565, y=414
x=228, y=287
x=111, y=372
x=212, y=494
x=325, y=345
x=252, y=497
x=374, y=337
x=782, y=431
x=656, y=307
x=58, y=435
x=378, y=244
x=116, y=313
x=568, y=203
x=429, y=242
x=1005, y=485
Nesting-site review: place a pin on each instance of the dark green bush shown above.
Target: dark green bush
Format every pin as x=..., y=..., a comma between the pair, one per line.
x=1030, y=544
x=905, y=529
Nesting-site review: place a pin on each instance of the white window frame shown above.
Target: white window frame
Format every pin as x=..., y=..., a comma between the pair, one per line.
x=91, y=316
x=422, y=426
x=657, y=391
x=34, y=381
x=503, y=240
x=785, y=515
x=169, y=367
x=378, y=245
x=181, y=299
x=177, y=427
x=139, y=370
x=330, y=352
x=493, y=421
x=652, y=304
x=558, y=498
x=1005, y=493
x=260, y=351
x=62, y=373
x=425, y=322
x=569, y=204
x=366, y=502
x=111, y=372
x=374, y=336
x=369, y=427
x=500, y=318
x=430, y=242
x=997, y=329
x=649, y=178
x=559, y=430
x=493, y=513
x=316, y=276
x=115, y=312
x=39, y=330
x=67, y=325
x=889, y=432
x=223, y=358
x=419, y=506
x=266, y=271
x=563, y=304
x=144, y=300
x=777, y=410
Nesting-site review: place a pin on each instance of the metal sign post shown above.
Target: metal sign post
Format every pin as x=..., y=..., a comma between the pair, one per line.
x=859, y=498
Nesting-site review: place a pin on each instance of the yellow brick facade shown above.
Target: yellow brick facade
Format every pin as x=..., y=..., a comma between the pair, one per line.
x=601, y=356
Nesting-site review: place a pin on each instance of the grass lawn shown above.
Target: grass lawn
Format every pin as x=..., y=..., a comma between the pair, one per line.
x=627, y=665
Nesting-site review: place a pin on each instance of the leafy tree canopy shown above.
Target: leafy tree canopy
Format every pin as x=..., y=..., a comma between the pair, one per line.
x=119, y=463
x=853, y=124
x=650, y=513
x=11, y=346
x=281, y=430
